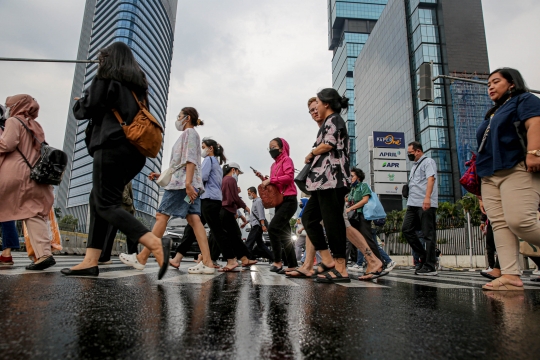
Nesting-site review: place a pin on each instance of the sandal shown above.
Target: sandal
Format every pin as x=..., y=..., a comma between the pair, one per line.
x=202, y=269
x=329, y=279
x=226, y=269
x=250, y=263
x=300, y=274
x=498, y=285
x=166, y=244
x=489, y=276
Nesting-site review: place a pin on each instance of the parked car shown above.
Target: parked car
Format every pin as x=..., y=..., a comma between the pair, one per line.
x=176, y=228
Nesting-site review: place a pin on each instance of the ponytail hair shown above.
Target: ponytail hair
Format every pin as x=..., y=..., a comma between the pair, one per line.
x=193, y=116
x=218, y=149
x=331, y=97
x=226, y=169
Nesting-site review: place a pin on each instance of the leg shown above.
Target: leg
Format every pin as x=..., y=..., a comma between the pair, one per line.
x=408, y=228
x=109, y=242
x=312, y=223
x=428, y=219
x=250, y=242
x=261, y=245
x=10, y=238
x=198, y=228
x=384, y=255
x=158, y=230
x=231, y=245
x=39, y=232
x=364, y=227
x=280, y=232
x=490, y=246
x=299, y=245
x=356, y=238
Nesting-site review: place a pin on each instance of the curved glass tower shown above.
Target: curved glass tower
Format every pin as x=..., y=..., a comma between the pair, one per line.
x=147, y=27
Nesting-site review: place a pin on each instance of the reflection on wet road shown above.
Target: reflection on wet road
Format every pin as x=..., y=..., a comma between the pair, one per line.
x=257, y=314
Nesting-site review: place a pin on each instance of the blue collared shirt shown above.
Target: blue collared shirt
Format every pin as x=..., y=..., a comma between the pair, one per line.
x=212, y=175
x=257, y=208
x=418, y=182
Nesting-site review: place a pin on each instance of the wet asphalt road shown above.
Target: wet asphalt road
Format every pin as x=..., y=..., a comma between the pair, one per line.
x=128, y=314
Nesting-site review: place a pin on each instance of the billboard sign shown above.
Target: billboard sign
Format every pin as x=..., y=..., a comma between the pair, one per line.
x=390, y=177
x=391, y=154
x=388, y=189
x=394, y=140
x=390, y=165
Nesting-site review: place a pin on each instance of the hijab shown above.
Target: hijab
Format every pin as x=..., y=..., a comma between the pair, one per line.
x=26, y=108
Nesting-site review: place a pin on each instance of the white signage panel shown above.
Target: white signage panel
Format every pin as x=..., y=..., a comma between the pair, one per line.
x=390, y=177
x=390, y=165
x=388, y=189
x=385, y=153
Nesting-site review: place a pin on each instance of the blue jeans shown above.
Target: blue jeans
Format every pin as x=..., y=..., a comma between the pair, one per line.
x=317, y=256
x=10, y=236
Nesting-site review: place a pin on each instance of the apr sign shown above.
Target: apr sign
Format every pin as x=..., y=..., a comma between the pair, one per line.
x=390, y=154
x=390, y=165
x=392, y=140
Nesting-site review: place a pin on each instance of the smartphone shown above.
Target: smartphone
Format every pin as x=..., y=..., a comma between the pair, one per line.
x=255, y=171
x=187, y=198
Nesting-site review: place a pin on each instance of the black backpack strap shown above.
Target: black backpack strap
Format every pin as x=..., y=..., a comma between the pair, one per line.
x=417, y=166
x=520, y=128
x=34, y=136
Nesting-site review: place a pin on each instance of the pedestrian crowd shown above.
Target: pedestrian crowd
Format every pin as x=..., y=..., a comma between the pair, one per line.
x=335, y=231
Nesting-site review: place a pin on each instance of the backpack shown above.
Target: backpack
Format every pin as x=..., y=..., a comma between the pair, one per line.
x=50, y=166
x=144, y=132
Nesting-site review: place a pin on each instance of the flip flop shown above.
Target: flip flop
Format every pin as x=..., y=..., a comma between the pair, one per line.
x=226, y=269
x=375, y=275
x=302, y=275
x=498, y=285
x=328, y=279
x=249, y=264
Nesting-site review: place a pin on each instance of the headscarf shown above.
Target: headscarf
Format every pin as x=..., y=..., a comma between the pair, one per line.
x=26, y=107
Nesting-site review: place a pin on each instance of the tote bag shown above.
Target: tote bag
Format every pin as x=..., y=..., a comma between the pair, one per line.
x=374, y=210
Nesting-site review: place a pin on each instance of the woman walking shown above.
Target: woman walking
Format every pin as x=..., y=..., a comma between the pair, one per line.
x=119, y=84
x=232, y=246
x=23, y=198
x=329, y=182
x=181, y=198
x=282, y=176
x=212, y=176
x=509, y=163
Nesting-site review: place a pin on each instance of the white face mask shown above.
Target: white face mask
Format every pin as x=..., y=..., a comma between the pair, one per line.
x=204, y=152
x=235, y=176
x=180, y=125
x=250, y=197
x=7, y=115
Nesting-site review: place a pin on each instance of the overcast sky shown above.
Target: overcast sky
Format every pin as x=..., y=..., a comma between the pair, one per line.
x=247, y=66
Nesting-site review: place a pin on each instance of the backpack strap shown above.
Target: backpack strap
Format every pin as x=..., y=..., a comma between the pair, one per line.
x=119, y=117
x=34, y=136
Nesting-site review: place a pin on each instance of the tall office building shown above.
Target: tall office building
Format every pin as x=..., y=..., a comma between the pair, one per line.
x=408, y=33
x=349, y=24
x=147, y=27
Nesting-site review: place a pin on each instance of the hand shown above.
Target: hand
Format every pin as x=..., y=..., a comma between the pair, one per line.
x=308, y=158
x=349, y=209
x=482, y=209
x=191, y=192
x=482, y=226
x=266, y=182
x=533, y=163
x=427, y=204
x=243, y=225
x=76, y=98
x=247, y=210
x=153, y=176
x=264, y=229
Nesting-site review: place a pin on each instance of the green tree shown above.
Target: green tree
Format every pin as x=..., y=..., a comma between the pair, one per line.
x=57, y=212
x=68, y=222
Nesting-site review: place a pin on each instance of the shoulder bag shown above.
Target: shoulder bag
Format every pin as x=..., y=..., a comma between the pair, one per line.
x=49, y=168
x=166, y=176
x=301, y=178
x=374, y=210
x=405, y=189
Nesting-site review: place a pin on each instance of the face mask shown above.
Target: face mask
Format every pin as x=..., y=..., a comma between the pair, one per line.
x=7, y=115
x=235, y=176
x=180, y=126
x=355, y=183
x=411, y=157
x=250, y=197
x=274, y=153
x=204, y=153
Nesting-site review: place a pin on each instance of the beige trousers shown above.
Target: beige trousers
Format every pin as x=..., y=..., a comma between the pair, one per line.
x=40, y=234
x=511, y=198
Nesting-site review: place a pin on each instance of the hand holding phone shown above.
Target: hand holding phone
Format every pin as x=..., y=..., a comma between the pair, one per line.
x=189, y=197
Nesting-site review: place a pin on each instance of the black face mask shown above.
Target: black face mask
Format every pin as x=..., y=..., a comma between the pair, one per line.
x=274, y=153
x=411, y=157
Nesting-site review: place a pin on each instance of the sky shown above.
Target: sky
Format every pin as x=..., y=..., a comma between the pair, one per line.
x=249, y=67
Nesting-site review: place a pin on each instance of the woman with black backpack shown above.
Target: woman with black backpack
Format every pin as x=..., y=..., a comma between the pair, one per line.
x=116, y=91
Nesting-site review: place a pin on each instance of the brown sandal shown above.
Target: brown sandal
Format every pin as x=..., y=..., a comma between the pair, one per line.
x=498, y=285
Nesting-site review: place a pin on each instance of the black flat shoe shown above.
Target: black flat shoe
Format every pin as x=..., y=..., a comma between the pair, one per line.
x=91, y=271
x=166, y=245
x=47, y=263
x=275, y=269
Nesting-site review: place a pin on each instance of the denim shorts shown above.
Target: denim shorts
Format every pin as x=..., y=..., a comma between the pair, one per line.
x=173, y=204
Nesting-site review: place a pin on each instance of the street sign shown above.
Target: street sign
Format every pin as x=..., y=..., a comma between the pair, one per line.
x=388, y=189
x=390, y=165
x=386, y=153
x=394, y=140
x=390, y=177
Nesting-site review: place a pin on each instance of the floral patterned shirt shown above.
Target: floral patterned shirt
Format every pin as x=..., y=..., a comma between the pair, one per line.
x=186, y=149
x=331, y=169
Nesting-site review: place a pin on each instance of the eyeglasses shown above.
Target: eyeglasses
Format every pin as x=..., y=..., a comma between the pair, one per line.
x=311, y=111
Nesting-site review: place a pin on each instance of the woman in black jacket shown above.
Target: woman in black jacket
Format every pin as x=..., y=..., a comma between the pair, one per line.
x=118, y=81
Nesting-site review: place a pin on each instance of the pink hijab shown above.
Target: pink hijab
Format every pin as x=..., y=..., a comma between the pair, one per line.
x=26, y=108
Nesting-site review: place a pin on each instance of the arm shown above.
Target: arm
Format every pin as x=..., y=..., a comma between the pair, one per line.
x=190, y=190
x=533, y=143
x=206, y=168
x=288, y=174
x=232, y=188
x=329, y=141
x=10, y=138
x=94, y=99
x=430, y=185
x=359, y=204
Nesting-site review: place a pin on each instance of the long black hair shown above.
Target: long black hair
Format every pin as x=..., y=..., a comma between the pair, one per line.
x=218, y=149
x=331, y=97
x=515, y=78
x=117, y=62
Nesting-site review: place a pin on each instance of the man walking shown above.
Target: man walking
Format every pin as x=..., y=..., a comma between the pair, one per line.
x=257, y=221
x=421, y=209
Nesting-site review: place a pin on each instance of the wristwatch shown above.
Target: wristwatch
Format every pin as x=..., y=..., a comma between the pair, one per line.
x=534, y=152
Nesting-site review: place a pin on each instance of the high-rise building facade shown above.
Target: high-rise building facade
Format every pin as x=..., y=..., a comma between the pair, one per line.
x=449, y=33
x=147, y=27
x=349, y=24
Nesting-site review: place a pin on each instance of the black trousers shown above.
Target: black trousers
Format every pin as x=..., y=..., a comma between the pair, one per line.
x=416, y=218
x=279, y=231
x=210, y=210
x=364, y=227
x=490, y=246
x=113, y=169
x=256, y=237
x=327, y=205
x=132, y=247
x=231, y=244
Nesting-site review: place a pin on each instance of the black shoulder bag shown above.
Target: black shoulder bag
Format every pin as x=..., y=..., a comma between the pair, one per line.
x=405, y=190
x=50, y=166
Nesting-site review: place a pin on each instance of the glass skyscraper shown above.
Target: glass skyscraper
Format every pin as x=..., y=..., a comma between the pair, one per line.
x=349, y=24
x=147, y=27
x=408, y=33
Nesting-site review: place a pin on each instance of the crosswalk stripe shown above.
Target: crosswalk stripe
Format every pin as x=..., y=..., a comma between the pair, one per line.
x=426, y=283
x=473, y=279
x=263, y=276
x=362, y=284
x=191, y=278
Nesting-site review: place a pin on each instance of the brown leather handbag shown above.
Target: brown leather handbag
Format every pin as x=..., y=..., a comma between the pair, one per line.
x=270, y=195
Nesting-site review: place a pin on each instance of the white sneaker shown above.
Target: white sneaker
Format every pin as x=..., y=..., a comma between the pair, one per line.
x=391, y=266
x=356, y=268
x=536, y=272
x=131, y=260
x=487, y=271
x=202, y=269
